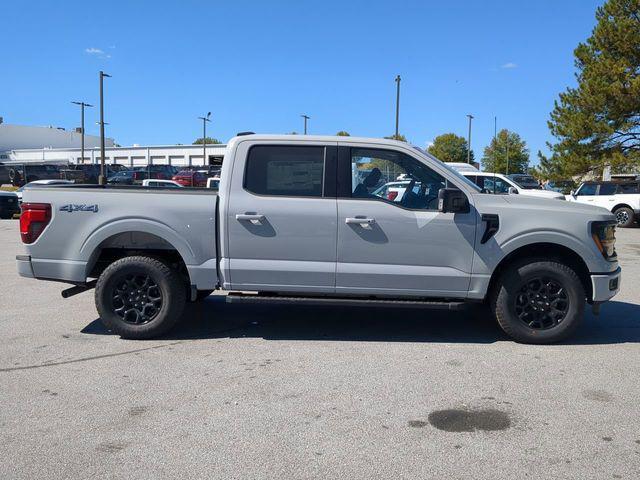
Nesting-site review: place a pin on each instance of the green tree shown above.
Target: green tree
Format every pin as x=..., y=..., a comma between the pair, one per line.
x=450, y=147
x=507, y=153
x=343, y=133
x=598, y=122
x=210, y=141
x=399, y=137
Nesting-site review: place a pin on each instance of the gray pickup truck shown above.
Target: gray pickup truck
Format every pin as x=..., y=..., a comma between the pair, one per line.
x=296, y=219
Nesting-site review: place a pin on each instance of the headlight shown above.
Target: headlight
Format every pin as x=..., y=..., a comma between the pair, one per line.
x=604, y=236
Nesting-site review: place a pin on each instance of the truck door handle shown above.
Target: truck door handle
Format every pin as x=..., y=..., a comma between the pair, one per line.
x=253, y=217
x=360, y=220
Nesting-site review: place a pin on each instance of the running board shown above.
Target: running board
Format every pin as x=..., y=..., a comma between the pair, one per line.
x=238, y=297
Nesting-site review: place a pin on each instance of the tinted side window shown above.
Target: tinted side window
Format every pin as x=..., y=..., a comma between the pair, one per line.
x=295, y=171
x=607, y=189
x=628, y=188
x=588, y=189
x=394, y=177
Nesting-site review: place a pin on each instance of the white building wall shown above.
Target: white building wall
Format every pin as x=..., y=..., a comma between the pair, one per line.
x=179, y=155
x=18, y=137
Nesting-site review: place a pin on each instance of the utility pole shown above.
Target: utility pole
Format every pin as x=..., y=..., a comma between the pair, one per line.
x=507, y=135
x=82, y=105
x=306, y=117
x=204, y=137
x=471, y=117
x=102, y=180
x=397, y=106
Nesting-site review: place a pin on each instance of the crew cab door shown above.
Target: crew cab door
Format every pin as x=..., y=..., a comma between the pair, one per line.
x=281, y=218
x=405, y=247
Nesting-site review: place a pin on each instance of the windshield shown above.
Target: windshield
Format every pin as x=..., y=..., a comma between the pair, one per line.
x=453, y=171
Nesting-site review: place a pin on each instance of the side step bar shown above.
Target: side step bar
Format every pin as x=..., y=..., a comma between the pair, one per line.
x=238, y=297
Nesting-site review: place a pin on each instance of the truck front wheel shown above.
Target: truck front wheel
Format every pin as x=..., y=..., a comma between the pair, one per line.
x=139, y=297
x=539, y=302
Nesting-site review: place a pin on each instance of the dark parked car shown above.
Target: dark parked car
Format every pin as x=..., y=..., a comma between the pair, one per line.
x=527, y=182
x=190, y=178
x=25, y=173
x=158, y=172
x=8, y=204
x=85, y=172
x=124, y=177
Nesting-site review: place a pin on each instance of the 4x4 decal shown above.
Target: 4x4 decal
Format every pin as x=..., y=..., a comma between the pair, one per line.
x=79, y=208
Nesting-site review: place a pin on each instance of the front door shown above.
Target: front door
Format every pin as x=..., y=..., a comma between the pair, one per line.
x=398, y=243
x=281, y=219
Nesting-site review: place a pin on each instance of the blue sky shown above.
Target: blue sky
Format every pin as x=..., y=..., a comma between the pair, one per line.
x=259, y=65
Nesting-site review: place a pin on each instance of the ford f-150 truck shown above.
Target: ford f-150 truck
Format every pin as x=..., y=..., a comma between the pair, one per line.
x=295, y=220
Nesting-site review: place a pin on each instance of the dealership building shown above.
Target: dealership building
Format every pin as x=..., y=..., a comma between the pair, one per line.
x=25, y=144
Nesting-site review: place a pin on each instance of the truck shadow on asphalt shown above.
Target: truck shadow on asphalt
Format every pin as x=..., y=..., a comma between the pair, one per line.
x=618, y=322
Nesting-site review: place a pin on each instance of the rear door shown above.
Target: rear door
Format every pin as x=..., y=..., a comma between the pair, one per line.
x=403, y=246
x=281, y=220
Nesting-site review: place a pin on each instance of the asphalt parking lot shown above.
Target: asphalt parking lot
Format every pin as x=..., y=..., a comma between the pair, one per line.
x=244, y=392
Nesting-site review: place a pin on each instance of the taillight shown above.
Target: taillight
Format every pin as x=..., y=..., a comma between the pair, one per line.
x=392, y=195
x=35, y=217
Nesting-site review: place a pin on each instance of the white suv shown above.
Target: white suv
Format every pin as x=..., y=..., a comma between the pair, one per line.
x=498, y=183
x=621, y=199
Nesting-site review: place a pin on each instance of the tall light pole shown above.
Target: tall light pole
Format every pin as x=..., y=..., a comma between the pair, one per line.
x=469, y=139
x=397, y=105
x=204, y=137
x=102, y=180
x=82, y=105
x=507, y=135
x=306, y=117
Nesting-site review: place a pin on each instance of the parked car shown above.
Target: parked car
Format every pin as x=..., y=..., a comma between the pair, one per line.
x=213, y=182
x=35, y=183
x=462, y=167
x=86, y=173
x=291, y=227
x=525, y=181
x=501, y=184
x=622, y=199
x=161, y=183
x=30, y=172
x=9, y=205
x=190, y=178
x=561, y=186
x=158, y=171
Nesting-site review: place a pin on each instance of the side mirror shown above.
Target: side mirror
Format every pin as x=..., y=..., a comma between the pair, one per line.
x=572, y=193
x=513, y=191
x=452, y=200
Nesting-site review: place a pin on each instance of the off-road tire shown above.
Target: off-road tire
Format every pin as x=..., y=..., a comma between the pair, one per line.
x=624, y=217
x=168, y=284
x=515, y=280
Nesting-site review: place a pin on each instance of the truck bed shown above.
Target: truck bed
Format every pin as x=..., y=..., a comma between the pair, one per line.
x=87, y=220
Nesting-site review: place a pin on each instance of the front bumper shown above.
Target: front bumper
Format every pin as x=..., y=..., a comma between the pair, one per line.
x=605, y=285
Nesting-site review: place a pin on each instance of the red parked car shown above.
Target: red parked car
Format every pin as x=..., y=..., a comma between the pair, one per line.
x=190, y=178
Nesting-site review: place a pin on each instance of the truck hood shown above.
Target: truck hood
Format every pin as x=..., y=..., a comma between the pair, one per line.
x=540, y=193
x=540, y=206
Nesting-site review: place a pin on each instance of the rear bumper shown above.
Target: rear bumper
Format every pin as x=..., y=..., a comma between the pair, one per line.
x=24, y=266
x=70, y=271
x=605, y=286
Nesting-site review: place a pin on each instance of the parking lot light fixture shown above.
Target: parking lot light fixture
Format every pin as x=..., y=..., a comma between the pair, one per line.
x=102, y=179
x=306, y=117
x=204, y=137
x=82, y=106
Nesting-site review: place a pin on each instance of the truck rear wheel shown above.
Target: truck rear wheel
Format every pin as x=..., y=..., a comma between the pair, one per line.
x=539, y=302
x=139, y=297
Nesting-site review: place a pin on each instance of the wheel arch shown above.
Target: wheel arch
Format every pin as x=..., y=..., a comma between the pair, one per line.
x=545, y=251
x=139, y=237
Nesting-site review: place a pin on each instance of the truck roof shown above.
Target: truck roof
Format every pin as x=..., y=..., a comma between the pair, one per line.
x=318, y=138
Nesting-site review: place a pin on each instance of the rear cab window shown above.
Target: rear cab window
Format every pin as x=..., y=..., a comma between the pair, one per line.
x=279, y=170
